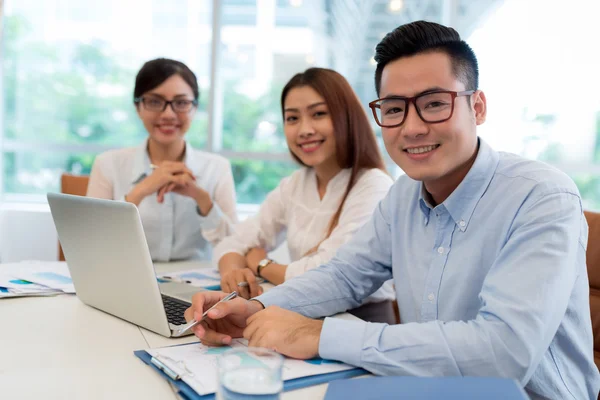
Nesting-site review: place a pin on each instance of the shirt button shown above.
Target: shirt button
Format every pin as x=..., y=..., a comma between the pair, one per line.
x=462, y=223
x=441, y=250
x=431, y=297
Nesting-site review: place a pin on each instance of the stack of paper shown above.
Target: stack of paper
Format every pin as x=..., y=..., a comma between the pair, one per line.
x=206, y=278
x=35, y=278
x=192, y=368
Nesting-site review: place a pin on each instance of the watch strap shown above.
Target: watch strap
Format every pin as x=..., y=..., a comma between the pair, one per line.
x=262, y=264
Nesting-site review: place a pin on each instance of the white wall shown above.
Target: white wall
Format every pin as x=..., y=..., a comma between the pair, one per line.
x=27, y=232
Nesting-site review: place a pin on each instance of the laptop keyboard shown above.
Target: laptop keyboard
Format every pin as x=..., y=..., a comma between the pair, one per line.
x=175, y=309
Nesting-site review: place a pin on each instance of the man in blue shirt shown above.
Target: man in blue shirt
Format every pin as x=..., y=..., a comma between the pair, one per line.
x=486, y=249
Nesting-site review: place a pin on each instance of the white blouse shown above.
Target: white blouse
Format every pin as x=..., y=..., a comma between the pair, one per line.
x=294, y=211
x=174, y=229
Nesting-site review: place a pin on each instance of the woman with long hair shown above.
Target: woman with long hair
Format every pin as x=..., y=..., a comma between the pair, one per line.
x=319, y=207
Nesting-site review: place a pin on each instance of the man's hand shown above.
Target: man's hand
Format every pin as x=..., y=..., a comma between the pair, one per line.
x=231, y=278
x=224, y=322
x=284, y=331
x=253, y=257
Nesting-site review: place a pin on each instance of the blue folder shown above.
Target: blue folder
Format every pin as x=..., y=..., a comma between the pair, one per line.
x=186, y=392
x=409, y=388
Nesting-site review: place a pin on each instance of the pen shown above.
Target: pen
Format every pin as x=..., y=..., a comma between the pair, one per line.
x=191, y=324
x=174, y=279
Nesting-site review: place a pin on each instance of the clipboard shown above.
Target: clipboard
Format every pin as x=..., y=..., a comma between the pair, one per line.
x=187, y=393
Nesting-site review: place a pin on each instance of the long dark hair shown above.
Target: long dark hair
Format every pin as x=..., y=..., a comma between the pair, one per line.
x=355, y=143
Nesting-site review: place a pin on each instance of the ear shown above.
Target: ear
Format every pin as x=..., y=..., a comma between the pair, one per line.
x=479, y=107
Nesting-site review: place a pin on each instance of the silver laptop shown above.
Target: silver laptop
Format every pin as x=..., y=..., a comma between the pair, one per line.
x=106, y=250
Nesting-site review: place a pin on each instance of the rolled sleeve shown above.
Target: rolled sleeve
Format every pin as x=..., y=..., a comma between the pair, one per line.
x=212, y=220
x=262, y=230
x=347, y=350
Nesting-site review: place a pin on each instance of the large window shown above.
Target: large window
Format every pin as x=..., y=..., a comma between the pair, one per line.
x=68, y=74
x=539, y=68
x=69, y=67
x=69, y=70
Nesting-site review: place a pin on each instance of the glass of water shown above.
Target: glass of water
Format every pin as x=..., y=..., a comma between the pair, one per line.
x=250, y=373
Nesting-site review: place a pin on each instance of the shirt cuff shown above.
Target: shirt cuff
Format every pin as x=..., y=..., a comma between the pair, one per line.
x=212, y=219
x=271, y=298
x=347, y=350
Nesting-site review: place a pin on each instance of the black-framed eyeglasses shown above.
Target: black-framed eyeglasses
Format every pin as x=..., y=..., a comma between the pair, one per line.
x=158, y=104
x=432, y=107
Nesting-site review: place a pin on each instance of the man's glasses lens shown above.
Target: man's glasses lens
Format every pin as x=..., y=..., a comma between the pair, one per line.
x=432, y=107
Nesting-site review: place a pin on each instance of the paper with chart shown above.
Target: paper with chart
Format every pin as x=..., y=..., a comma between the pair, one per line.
x=15, y=279
x=208, y=278
x=197, y=364
x=50, y=274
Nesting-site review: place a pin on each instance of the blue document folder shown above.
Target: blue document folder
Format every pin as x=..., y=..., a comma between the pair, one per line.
x=409, y=388
x=186, y=392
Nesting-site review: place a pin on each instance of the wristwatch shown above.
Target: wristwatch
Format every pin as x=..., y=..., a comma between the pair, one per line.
x=261, y=264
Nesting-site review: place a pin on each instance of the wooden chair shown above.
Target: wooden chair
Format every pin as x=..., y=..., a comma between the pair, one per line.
x=72, y=184
x=593, y=268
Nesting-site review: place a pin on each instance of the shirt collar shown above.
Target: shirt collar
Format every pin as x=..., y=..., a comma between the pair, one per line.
x=462, y=201
x=141, y=161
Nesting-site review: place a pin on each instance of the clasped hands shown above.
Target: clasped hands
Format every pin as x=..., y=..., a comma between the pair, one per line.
x=274, y=328
x=171, y=176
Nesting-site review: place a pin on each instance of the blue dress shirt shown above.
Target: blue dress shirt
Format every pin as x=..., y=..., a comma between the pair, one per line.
x=492, y=282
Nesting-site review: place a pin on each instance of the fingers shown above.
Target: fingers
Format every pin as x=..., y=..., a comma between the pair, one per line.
x=189, y=314
x=175, y=168
x=250, y=328
x=200, y=302
x=259, y=339
x=230, y=280
x=175, y=183
x=225, y=286
x=235, y=307
x=252, y=283
x=210, y=336
x=255, y=332
x=160, y=196
x=181, y=180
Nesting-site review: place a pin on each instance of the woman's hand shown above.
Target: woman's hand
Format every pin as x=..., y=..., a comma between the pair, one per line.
x=187, y=187
x=167, y=173
x=231, y=280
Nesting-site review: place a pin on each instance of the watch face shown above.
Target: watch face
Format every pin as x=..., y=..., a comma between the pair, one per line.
x=263, y=263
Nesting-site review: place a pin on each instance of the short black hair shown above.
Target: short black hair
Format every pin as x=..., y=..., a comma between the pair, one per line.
x=153, y=73
x=423, y=37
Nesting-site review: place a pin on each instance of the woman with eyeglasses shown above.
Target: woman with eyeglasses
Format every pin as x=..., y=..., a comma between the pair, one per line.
x=319, y=207
x=186, y=197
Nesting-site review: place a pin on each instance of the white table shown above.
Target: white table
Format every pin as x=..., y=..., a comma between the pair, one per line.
x=59, y=348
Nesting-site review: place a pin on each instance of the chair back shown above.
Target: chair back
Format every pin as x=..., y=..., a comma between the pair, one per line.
x=72, y=184
x=593, y=268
